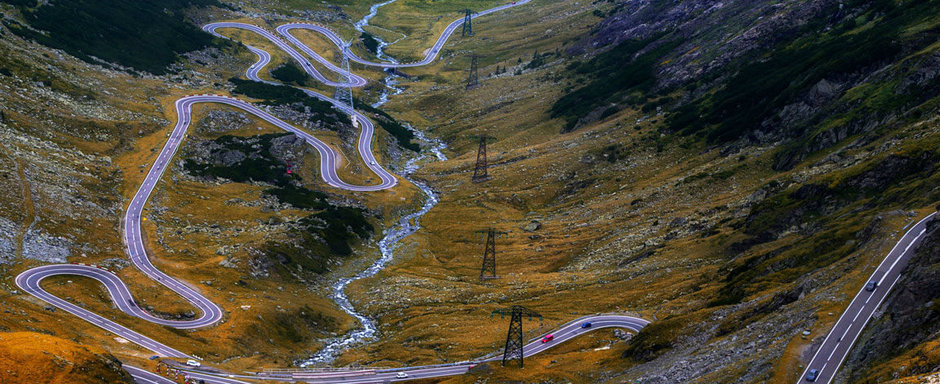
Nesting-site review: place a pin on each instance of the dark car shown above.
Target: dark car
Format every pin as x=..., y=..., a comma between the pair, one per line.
x=586, y=325
x=871, y=286
x=812, y=375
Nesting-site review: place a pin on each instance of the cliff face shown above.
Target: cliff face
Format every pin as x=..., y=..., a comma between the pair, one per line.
x=907, y=322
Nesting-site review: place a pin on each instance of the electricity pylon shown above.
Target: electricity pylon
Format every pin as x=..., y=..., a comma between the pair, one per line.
x=344, y=93
x=480, y=172
x=489, y=254
x=467, y=26
x=514, y=341
x=473, y=80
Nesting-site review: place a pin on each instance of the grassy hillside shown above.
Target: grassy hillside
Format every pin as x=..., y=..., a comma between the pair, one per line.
x=611, y=80
x=28, y=357
x=729, y=239
x=282, y=94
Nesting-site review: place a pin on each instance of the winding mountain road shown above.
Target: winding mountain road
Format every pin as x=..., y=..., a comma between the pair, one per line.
x=210, y=313
x=826, y=360
x=357, y=81
x=432, y=53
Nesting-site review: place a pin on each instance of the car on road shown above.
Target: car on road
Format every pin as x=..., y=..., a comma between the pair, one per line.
x=871, y=286
x=548, y=338
x=193, y=363
x=812, y=375
x=401, y=375
x=586, y=325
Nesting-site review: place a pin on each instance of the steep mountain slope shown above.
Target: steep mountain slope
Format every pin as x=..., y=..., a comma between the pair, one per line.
x=732, y=171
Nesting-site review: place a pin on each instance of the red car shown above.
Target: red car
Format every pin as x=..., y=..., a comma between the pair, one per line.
x=548, y=338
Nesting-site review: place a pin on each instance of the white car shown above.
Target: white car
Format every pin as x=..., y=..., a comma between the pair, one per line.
x=193, y=363
x=401, y=375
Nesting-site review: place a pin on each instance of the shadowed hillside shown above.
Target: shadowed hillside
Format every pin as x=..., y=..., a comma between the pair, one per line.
x=143, y=35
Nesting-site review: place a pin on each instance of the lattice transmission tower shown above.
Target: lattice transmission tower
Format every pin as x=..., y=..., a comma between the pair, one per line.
x=467, y=26
x=514, y=339
x=480, y=172
x=488, y=270
x=344, y=93
x=473, y=80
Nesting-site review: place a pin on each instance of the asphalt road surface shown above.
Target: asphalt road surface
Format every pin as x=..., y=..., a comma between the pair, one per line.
x=29, y=282
x=143, y=376
x=845, y=332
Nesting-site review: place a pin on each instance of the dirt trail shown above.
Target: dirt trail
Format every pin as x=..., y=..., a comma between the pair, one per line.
x=29, y=208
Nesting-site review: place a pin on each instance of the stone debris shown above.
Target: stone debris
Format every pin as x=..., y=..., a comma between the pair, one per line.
x=38, y=245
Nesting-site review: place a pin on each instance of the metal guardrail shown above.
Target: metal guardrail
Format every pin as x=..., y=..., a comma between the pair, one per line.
x=317, y=370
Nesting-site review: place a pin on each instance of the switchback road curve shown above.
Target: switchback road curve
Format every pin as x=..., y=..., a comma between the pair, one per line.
x=211, y=313
x=355, y=80
x=432, y=53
